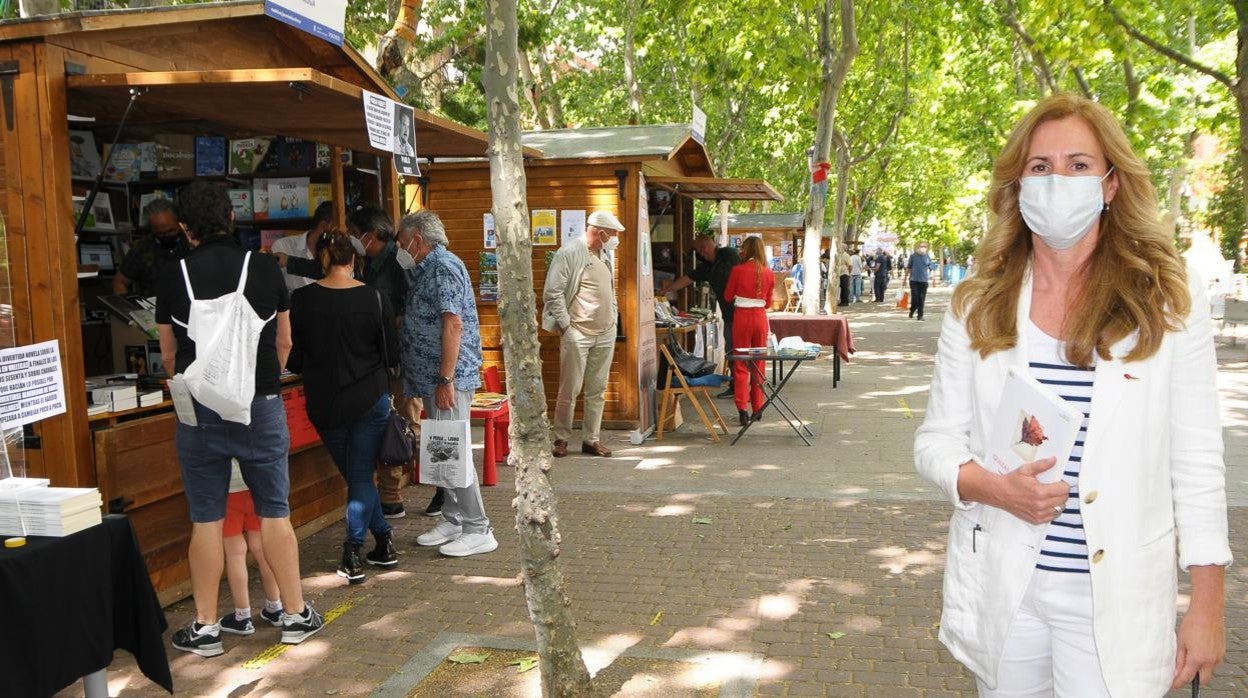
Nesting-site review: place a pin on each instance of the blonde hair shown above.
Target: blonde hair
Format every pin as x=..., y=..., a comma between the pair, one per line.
x=1133, y=281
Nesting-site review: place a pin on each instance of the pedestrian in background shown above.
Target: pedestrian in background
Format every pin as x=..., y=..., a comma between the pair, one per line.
x=919, y=272
x=881, y=266
x=749, y=290
x=1061, y=577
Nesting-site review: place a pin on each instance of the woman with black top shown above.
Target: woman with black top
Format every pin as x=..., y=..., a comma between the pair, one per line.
x=343, y=344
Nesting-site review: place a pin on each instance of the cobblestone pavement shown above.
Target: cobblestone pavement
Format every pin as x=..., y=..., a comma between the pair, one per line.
x=802, y=544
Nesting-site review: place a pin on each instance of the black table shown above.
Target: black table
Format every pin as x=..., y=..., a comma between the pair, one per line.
x=68, y=603
x=773, y=387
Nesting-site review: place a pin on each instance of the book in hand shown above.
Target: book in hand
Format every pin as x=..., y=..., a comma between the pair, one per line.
x=1031, y=423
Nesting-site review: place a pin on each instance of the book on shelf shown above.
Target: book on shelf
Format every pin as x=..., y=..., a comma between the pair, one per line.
x=317, y=195
x=1032, y=422
x=240, y=200
x=147, y=158
x=268, y=237
x=295, y=154
x=288, y=197
x=259, y=199
x=247, y=153
x=175, y=156
x=210, y=158
x=324, y=156
x=49, y=511
x=84, y=159
x=151, y=399
x=124, y=164
x=95, y=408
x=148, y=198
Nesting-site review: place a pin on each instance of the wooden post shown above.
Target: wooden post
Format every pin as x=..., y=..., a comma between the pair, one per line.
x=337, y=191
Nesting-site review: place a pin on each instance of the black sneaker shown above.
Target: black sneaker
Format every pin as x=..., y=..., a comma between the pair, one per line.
x=435, y=504
x=230, y=624
x=274, y=617
x=297, y=628
x=393, y=511
x=727, y=393
x=384, y=555
x=351, y=568
x=193, y=639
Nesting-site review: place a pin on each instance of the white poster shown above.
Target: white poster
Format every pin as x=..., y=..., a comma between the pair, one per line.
x=405, y=140
x=571, y=226
x=699, y=124
x=491, y=235
x=324, y=19
x=31, y=384
x=379, y=120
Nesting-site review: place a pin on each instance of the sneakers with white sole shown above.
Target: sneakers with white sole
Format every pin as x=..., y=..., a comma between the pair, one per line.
x=470, y=544
x=231, y=624
x=444, y=532
x=198, y=639
x=297, y=628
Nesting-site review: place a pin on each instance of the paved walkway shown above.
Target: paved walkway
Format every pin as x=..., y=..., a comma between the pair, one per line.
x=803, y=544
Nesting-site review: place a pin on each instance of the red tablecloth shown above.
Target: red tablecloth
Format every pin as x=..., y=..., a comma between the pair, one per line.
x=827, y=330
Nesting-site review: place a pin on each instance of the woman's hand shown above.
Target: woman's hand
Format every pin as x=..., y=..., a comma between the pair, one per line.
x=1035, y=502
x=1018, y=492
x=1202, y=633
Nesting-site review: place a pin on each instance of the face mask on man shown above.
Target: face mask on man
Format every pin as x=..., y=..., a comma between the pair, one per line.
x=404, y=258
x=168, y=242
x=1061, y=209
x=611, y=243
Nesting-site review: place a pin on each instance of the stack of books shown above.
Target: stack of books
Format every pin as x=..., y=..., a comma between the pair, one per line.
x=39, y=510
x=151, y=399
x=118, y=396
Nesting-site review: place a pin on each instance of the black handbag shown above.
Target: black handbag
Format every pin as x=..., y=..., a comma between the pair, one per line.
x=688, y=364
x=396, y=439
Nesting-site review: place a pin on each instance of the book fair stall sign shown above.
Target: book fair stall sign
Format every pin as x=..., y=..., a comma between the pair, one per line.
x=31, y=384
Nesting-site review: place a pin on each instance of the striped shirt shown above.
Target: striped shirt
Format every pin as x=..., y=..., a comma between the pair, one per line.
x=1065, y=547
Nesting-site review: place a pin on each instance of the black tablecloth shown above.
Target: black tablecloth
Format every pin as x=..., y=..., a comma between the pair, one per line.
x=67, y=603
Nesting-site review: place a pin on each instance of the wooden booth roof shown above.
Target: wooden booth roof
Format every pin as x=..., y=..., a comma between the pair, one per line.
x=225, y=64
x=752, y=222
x=718, y=188
x=671, y=144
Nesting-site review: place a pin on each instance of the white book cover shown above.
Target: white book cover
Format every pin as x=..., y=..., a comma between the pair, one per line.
x=1032, y=422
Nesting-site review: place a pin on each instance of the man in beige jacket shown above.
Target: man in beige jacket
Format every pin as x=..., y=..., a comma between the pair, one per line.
x=579, y=304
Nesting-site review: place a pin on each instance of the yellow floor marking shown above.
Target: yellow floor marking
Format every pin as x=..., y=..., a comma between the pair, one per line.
x=906, y=414
x=274, y=651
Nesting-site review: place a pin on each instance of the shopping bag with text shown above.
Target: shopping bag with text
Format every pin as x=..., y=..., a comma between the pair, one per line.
x=446, y=453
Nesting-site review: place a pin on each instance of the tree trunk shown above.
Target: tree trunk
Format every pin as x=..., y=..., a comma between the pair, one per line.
x=563, y=670
x=630, y=64
x=835, y=62
x=550, y=92
x=532, y=93
x=391, y=45
x=38, y=8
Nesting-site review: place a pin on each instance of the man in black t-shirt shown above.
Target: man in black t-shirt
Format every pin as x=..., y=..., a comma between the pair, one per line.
x=717, y=264
x=141, y=269
x=206, y=449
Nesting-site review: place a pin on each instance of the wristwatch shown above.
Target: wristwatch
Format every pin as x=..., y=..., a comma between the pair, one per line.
x=445, y=380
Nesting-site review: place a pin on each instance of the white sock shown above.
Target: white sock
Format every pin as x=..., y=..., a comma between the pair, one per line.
x=272, y=606
x=208, y=628
x=242, y=613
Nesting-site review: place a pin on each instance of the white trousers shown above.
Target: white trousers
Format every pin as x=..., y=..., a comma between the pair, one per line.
x=583, y=362
x=1050, y=650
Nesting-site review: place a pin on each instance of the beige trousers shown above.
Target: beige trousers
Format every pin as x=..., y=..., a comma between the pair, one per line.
x=584, y=362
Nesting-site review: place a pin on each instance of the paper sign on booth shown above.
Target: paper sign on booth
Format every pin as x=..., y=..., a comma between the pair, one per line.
x=31, y=384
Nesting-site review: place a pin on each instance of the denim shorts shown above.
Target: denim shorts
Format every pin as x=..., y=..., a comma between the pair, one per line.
x=205, y=450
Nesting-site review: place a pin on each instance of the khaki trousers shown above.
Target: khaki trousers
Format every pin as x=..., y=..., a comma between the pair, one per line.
x=583, y=362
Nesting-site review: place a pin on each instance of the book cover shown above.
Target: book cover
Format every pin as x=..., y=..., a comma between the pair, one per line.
x=148, y=198
x=175, y=156
x=324, y=155
x=147, y=157
x=84, y=159
x=124, y=164
x=1031, y=423
x=259, y=199
x=209, y=156
x=296, y=155
x=318, y=194
x=240, y=199
x=275, y=156
x=268, y=237
x=247, y=153
x=288, y=197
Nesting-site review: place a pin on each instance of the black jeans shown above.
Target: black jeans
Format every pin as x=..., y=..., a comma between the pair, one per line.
x=918, y=296
x=880, y=283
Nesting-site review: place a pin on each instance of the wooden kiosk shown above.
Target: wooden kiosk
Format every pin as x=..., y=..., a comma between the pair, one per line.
x=650, y=177
x=223, y=69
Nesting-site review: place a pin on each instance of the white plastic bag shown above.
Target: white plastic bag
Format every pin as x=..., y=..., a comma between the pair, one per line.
x=446, y=453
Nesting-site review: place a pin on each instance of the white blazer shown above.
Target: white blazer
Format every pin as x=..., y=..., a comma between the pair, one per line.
x=1152, y=472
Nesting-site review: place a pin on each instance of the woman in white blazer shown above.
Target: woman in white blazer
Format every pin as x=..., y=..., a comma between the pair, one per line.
x=1065, y=584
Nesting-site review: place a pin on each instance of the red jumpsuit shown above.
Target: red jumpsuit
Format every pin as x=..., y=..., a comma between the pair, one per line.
x=749, y=329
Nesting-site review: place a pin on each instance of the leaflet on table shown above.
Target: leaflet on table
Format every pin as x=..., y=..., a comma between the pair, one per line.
x=1032, y=422
x=183, y=403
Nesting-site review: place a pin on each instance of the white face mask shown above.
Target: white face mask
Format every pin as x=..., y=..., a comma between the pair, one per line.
x=358, y=247
x=611, y=243
x=1061, y=209
x=404, y=258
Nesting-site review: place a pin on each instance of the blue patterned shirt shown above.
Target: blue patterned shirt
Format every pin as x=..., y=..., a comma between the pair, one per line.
x=439, y=284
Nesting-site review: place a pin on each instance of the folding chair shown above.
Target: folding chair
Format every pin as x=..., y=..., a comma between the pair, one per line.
x=794, y=302
x=677, y=386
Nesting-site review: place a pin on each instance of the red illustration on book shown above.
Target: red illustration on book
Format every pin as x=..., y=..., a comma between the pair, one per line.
x=1032, y=432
